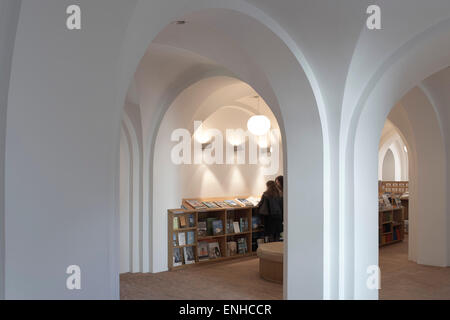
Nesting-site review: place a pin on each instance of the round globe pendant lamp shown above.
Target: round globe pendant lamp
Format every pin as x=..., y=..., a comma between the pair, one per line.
x=258, y=124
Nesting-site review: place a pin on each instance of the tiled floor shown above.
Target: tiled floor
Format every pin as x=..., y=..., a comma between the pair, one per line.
x=235, y=279
x=239, y=279
x=403, y=279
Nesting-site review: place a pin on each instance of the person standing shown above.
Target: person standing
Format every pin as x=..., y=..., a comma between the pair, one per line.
x=270, y=208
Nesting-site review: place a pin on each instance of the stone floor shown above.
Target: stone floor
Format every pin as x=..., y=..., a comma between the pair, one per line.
x=239, y=279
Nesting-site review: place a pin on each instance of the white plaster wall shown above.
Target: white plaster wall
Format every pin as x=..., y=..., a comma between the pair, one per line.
x=389, y=166
x=62, y=153
x=9, y=16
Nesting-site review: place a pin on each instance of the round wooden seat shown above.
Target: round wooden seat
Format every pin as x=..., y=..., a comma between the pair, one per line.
x=271, y=261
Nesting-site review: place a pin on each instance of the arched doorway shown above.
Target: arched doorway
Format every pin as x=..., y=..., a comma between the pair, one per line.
x=272, y=78
x=396, y=78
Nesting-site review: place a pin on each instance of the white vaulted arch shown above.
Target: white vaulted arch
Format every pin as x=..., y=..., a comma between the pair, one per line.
x=284, y=83
x=417, y=59
x=134, y=199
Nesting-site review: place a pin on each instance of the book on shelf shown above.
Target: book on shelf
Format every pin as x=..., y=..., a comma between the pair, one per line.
x=181, y=239
x=221, y=204
x=217, y=227
x=183, y=222
x=242, y=246
x=236, y=227
x=210, y=204
x=231, y=203
x=176, y=223
x=209, y=226
x=196, y=204
x=243, y=224
x=230, y=228
x=202, y=229
x=190, y=237
x=174, y=239
x=244, y=202
x=214, y=250
x=189, y=257
x=191, y=221
x=177, y=257
x=203, y=251
x=386, y=201
x=231, y=248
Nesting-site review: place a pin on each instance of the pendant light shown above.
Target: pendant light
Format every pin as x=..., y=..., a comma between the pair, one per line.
x=258, y=124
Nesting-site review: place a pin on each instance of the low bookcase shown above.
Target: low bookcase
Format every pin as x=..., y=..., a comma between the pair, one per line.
x=194, y=216
x=391, y=225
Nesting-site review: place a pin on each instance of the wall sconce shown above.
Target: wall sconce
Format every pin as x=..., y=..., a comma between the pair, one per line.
x=206, y=145
x=267, y=150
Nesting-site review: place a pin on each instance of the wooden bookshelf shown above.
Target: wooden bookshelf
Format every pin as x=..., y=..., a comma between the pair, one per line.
x=394, y=187
x=233, y=213
x=390, y=225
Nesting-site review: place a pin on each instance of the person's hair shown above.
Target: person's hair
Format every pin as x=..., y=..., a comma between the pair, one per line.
x=279, y=179
x=272, y=190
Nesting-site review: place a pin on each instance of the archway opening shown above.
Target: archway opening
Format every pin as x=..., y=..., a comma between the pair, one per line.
x=411, y=203
x=184, y=56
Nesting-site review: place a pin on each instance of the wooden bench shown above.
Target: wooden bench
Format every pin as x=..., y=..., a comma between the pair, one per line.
x=271, y=261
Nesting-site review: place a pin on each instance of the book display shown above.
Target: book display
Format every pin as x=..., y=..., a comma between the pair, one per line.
x=208, y=230
x=391, y=225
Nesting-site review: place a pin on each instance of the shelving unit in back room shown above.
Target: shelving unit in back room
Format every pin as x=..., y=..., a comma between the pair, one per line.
x=235, y=214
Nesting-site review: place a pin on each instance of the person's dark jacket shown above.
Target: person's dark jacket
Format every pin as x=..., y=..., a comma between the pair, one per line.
x=271, y=210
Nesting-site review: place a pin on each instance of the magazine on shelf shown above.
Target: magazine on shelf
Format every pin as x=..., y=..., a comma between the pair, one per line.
x=183, y=222
x=209, y=226
x=231, y=248
x=221, y=204
x=203, y=251
x=231, y=203
x=230, y=228
x=243, y=224
x=191, y=221
x=217, y=227
x=387, y=202
x=210, y=204
x=244, y=202
x=214, y=250
x=189, y=256
x=177, y=258
x=236, y=227
x=242, y=246
x=181, y=239
x=253, y=200
x=190, y=237
x=196, y=204
x=175, y=243
x=202, y=229
x=176, y=223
